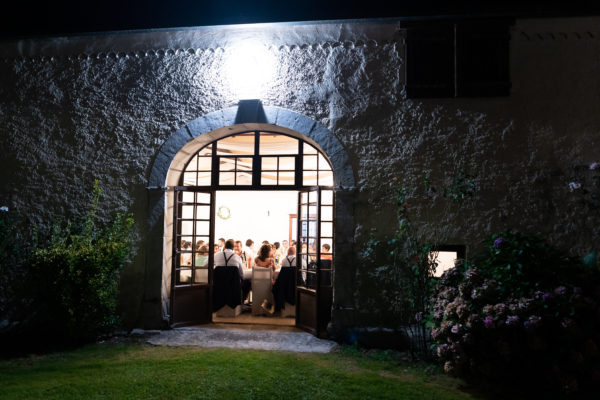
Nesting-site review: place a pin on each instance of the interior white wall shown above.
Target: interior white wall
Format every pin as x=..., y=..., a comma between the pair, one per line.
x=256, y=215
x=445, y=260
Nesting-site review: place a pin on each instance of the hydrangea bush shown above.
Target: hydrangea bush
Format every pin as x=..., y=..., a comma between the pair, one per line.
x=522, y=315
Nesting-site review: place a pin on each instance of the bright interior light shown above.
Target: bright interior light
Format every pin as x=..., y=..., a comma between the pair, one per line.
x=256, y=215
x=249, y=68
x=445, y=260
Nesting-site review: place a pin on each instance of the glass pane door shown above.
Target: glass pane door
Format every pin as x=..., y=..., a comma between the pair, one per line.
x=307, y=280
x=192, y=260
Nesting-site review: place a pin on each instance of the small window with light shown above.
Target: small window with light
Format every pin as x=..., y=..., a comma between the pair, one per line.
x=446, y=257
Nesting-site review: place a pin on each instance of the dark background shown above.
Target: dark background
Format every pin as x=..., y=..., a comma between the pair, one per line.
x=26, y=18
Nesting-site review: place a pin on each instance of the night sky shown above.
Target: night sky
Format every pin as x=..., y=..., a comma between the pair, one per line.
x=27, y=18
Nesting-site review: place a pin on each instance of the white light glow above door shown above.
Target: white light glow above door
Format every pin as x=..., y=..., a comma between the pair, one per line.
x=249, y=68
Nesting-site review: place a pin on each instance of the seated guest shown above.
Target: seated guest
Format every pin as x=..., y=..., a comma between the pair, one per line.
x=238, y=249
x=312, y=252
x=227, y=257
x=247, y=277
x=249, y=250
x=304, y=248
x=277, y=253
x=325, y=254
x=263, y=259
x=290, y=259
x=186, y=258
x=202, y=256
x=284, y=288
x=284, y=247
x=228, y=273
x=221, y=244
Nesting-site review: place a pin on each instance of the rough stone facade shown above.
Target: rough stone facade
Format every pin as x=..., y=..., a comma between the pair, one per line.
x=73, y=109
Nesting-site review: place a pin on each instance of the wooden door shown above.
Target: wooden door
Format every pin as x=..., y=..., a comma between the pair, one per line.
x=191, y=276
x=307, y=262
x=314, y=279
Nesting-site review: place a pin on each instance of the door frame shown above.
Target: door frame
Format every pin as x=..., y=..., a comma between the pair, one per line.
x=199, y=295
x=307, y=298
x=319, y=297
x=215, y=185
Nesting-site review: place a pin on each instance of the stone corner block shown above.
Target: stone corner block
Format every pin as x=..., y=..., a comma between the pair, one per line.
x=160, y=169
x=272, y=114
x=176, y=141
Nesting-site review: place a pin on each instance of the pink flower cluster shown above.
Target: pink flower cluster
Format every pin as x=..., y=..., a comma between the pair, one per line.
x=471, y=313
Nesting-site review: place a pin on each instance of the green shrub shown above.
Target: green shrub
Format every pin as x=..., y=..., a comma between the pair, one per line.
x=13, y=257
x=403, y=269
x=72, y=281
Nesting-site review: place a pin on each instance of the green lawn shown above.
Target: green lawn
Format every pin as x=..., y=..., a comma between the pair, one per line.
x=139, y=371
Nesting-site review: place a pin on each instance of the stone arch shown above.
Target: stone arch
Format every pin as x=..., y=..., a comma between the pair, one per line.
x=218, y=124
x=183, y=143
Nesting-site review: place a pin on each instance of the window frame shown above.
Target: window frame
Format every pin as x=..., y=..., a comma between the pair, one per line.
x=256, y=168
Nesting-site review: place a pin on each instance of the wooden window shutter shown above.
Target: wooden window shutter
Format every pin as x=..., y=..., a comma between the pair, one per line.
x=482, y=58
x=430, y=60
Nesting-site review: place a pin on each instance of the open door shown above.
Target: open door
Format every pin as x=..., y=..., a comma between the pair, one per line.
x=314, y=278
x=191, y=277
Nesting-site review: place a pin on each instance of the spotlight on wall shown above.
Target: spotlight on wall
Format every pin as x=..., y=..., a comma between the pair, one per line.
x=249, y=67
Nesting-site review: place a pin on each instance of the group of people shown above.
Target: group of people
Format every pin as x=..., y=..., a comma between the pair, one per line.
x=275, y=253
x=244, y=258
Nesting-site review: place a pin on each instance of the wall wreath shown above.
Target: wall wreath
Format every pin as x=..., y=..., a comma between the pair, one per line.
x=224, y=212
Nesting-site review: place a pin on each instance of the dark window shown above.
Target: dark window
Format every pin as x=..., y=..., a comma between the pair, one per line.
x=430, y=61
x=482, y=67
x=455, y=59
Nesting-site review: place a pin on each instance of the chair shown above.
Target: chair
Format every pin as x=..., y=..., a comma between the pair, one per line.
x=228, y=312
x=284, y=292
x=227, y=292
x=289, y=310
x=261, y=289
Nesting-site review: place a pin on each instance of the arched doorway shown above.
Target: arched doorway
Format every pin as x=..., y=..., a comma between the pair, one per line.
x=255, y=160
x=174, y=155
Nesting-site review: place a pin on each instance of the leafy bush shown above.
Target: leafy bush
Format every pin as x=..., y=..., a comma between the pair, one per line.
x=72, y=281
x=521, y=315
x=404, y=261
x=13, y=256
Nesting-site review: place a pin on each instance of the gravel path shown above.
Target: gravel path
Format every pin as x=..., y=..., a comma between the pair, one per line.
x=242, y=339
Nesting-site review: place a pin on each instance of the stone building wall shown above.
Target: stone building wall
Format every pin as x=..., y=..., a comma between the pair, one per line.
x=100, y=106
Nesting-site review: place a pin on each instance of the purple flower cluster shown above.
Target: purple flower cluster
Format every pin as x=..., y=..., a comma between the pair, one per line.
x=500, y=243
x=560, y=291
x=487, y=315
x=532, y=322
x=442, y=350
x=455, y=329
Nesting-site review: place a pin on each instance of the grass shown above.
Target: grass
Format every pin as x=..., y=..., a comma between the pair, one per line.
x=140, y=371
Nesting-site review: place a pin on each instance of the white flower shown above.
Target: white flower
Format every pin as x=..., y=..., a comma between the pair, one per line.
x=3, y=208
x=594, y=165
x=574, y=186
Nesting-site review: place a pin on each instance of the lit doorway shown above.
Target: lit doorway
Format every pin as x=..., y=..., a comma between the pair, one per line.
x=257, y=216
x=258, y=162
